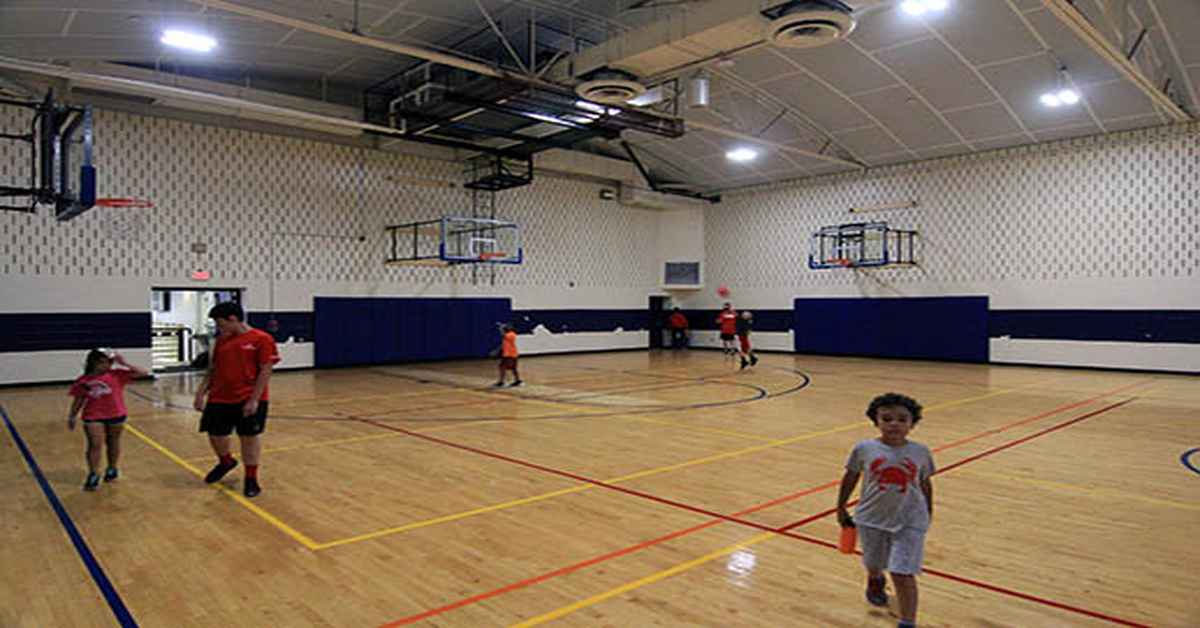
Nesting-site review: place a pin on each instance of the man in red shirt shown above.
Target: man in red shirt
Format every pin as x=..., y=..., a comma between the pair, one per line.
x=234, y=392
x=727, y=320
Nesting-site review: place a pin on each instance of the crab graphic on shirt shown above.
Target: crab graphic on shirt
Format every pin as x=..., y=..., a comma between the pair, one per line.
x=897, y=476
x=96, y=390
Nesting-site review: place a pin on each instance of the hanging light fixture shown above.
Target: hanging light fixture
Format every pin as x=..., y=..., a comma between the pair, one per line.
x=1063, y=93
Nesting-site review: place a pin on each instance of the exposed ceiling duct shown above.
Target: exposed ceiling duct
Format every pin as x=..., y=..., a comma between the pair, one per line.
x=719, y=30
x=610, y=87
x=809, y=24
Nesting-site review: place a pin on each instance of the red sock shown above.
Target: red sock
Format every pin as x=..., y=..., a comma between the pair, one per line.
x=252, y=472
x=227, y=459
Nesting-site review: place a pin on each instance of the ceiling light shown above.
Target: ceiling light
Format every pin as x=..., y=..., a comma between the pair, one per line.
x=1068, y=96
x=189, y=41
x=1051, y=100
x=741, y=154
x=921, y=7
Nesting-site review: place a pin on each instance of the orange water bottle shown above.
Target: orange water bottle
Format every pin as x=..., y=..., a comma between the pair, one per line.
x=847, y=540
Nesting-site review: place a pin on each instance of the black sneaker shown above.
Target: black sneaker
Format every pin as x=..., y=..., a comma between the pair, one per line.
x=250, y=487
x=876, y=591
x=753, y=359
x=92, y=482
x=219, y=471
x=745, y=363
x=110, y=474
x=498, y=384
x=517, y=383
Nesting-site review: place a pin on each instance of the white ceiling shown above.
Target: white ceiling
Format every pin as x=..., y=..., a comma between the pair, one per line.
x=899, y=89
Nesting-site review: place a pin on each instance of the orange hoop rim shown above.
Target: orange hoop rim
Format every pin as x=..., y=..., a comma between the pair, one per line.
x=843, y=262
x=132, y=203
x=489, y=256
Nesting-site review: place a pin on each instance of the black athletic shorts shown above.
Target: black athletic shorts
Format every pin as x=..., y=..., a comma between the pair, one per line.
x=113, y=421
x=727, y=337
x=220, y=419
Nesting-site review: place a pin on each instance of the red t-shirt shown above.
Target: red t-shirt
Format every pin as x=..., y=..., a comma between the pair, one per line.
x=104, y=394
x=678, y=321
x=237, y=362
x=728, y=321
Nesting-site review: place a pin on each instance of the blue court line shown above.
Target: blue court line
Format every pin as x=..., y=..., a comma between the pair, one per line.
x=110, y=594
x=1186, y=459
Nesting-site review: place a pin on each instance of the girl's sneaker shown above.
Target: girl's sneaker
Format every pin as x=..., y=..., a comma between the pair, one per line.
x=110, y=474
x=92, y=482
x=877, y=591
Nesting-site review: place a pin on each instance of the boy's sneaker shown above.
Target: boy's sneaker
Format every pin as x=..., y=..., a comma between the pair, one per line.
x=498, y=384
x=110, y=474
x=745, y=363
x=517, y=383
x=219, y=471
x=753, y=359
x=876, y=591
x=91, y=482
x=250, y=487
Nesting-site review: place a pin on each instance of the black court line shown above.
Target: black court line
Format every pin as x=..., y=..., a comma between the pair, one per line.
x=124, y=617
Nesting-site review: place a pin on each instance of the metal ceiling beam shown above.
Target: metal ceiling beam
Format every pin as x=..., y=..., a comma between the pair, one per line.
x=1078, y=23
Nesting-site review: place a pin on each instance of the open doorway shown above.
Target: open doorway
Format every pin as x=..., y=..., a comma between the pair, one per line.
x=180, y=330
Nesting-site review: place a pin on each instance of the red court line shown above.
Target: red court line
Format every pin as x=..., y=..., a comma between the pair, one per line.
x=992, y=587
x=783, y=531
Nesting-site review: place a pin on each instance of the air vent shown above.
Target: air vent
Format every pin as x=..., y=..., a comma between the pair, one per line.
x=610, y=87
x=809, y=24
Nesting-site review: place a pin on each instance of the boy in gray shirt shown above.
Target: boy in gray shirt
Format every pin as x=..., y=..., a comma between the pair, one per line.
x=896, y=501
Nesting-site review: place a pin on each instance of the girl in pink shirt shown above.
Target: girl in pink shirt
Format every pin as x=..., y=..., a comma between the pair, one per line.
x=100, y=396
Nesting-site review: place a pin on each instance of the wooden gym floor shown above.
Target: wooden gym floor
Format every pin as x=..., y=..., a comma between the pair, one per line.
x=615, y=489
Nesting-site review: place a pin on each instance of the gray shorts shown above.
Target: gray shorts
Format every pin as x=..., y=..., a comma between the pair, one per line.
x=900, y=552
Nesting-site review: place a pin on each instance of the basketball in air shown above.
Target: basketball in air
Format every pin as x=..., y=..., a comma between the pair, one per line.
x=723, y=291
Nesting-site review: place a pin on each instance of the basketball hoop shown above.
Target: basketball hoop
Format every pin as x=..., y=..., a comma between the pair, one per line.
x=484, y=257
x=131, y=203
x=843, y=262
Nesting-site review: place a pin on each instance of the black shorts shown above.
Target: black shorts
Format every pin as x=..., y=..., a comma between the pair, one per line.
x=508, y=364
x=113, y=421
x=727, y=337
x=220, y=419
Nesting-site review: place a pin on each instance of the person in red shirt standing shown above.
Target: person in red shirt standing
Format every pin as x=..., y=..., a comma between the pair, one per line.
x=100, y=395
x=678, y=323
x=234, y=392
x=727, y=320
x=508, y=355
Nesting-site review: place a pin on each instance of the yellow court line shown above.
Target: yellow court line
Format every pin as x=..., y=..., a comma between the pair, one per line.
x=655, y=577
x=651, y=579
x=1084, y=490
x=266, y=516
x=358, y=439
x=624, y=478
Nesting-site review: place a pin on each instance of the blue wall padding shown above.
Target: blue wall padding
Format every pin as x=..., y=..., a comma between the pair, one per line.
x=1182, y=326
x=295, y=325
x=73, y=331
x=354, y=330
x=559, y=321
x=933, y=328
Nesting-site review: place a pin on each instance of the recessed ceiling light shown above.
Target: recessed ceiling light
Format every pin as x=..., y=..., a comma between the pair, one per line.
x=1068, y=96
x=920, y=7
x=1051, y=100
x=741, y=154
x=188, y=41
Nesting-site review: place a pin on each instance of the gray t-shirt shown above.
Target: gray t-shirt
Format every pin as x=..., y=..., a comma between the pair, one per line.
x=891, y=496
